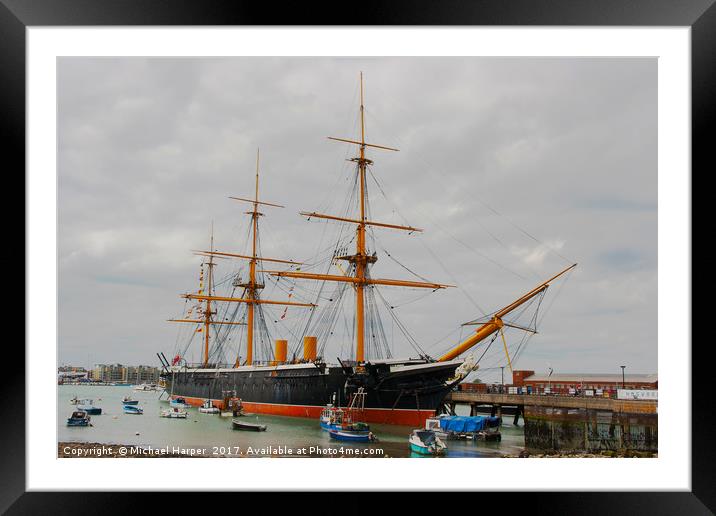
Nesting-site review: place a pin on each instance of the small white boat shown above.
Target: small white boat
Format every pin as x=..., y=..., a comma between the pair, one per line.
x=174, y=413
x=208, y=408
x=74, y=400
x=147, y=387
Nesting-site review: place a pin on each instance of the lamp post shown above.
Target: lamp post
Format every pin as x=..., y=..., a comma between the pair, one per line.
x=623, y=382
x=503, y=376
x=549, y=381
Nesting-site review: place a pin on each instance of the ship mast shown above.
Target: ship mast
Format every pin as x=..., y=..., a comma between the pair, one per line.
x=360, y=256
x=252, y=286
x=251, y=289
x=361, y=260
x=208, y=312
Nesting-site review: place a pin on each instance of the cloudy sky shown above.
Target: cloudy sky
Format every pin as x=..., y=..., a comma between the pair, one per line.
x=515, y=168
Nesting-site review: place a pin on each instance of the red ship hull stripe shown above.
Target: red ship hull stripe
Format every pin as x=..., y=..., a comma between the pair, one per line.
x=408, y=417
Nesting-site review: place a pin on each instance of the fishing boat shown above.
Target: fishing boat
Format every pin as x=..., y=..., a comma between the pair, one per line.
x=127, y=400
x=238, y=424
x=425, y=442
x=208, y=408
x=268, y=379
x=132, y=409
x=356, y=437
x=335, y=418
x=87, y=405
x=78, y=418
x=231, y=405
x=331, y=417
x=174, y=413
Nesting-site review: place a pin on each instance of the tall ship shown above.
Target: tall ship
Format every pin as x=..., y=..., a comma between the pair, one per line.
x=271, y=380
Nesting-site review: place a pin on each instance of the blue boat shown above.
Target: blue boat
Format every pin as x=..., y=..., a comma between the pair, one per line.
x=87, y=406
x=356, y=437
x=178, y=402
x=127, y=400
x=132, y=409
x=425, y=442
x=78, y=418
x=335, y=418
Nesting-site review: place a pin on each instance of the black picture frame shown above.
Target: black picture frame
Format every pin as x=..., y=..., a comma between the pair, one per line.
x=699, y=15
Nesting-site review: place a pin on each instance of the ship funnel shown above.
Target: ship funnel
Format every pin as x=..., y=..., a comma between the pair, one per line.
x=281, y=351
x=310, y=345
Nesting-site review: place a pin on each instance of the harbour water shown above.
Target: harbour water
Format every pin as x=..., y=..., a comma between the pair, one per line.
x=215, y=435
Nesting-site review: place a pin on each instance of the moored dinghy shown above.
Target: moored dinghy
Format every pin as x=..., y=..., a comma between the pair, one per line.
x=425, y=442
x=237, y=424
x=208, y=408
x=127, y=400
x=132, y=409
x=178, y=402
x=87, y=405
x=78, y=418
x=174, y=413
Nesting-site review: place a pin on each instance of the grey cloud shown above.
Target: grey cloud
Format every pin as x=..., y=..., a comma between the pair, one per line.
x=565, y=149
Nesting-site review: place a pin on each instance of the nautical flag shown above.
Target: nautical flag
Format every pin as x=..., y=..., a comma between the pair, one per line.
x=285, y=310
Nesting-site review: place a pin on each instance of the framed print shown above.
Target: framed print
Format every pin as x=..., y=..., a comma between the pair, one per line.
x=456, y=233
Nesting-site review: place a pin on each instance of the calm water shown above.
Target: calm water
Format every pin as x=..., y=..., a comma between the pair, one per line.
x=207, y=430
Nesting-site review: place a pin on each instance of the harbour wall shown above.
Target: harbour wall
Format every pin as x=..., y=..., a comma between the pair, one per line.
x=563, y=429
x=570, y=423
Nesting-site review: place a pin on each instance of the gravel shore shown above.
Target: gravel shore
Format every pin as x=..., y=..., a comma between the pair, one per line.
x=102, y=450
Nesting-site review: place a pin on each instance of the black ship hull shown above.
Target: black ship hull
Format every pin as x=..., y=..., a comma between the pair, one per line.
x=397, y=392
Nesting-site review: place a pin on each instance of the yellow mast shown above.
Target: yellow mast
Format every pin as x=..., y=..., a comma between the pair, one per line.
x=361, y=259
x=496, y=323
x=207, y=311
x=360, y=241
x=252, y=272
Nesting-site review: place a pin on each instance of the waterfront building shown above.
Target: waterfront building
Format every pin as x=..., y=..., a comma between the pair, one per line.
x=527, y=382
x=114, y=373
x=142, y=374
x=563, y=382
